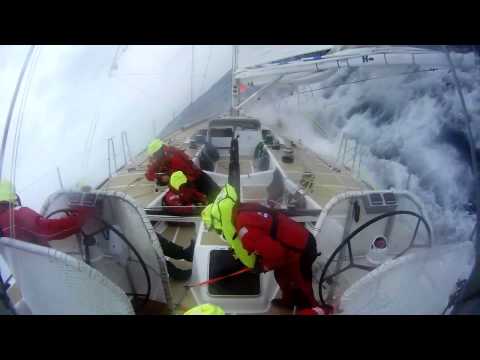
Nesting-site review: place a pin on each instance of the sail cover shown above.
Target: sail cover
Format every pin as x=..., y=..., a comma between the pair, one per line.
x=262, y=64
x=258, y=55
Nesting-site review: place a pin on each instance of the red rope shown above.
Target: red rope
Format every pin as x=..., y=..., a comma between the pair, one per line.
x=214, y=280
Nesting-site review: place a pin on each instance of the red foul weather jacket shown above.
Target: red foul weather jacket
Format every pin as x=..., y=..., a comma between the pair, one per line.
x=186, y=196
x=173, y=160
x=255, y=231
x=279, y=249
x=32, y=227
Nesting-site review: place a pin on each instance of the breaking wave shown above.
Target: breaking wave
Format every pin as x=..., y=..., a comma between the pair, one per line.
x=411, y=125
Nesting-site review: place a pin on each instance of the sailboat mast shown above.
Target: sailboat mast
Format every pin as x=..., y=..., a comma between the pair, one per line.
x=235, y=83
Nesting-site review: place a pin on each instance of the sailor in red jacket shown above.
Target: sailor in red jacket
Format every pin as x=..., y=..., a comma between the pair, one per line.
x=30, y=226
x=182, y=195
x=281, y=245
x=168, y=159
x=278, y=243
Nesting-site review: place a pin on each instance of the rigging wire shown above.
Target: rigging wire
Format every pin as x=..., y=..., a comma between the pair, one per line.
x=18, y=128
x=16, y=138
x=20, y=117
x=12, y=106
x=92, y=137
x=206, y=69
x=120, y=49
x=21, y=111
x=47, y=171
x=89, y=139
x=93, y=127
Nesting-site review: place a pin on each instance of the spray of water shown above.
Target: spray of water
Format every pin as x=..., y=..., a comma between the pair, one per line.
x=410, y=124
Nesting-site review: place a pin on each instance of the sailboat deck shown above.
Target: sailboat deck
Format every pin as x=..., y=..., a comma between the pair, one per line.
x=246, y=166
x=131, y=181
x=328, y=182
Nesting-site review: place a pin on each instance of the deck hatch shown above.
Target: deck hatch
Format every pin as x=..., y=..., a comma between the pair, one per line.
x=222, y=263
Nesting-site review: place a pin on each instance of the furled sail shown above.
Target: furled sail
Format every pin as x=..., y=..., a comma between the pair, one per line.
x=259, y=65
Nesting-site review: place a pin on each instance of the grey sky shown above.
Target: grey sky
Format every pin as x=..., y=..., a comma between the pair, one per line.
x=73, y=90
